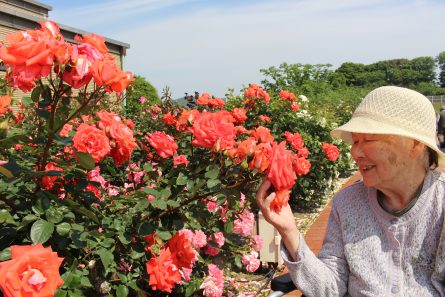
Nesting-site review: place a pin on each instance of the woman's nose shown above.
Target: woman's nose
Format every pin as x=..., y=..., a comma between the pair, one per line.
x=356, y=151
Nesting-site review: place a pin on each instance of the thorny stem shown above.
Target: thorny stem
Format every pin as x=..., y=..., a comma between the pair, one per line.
x=58, y=92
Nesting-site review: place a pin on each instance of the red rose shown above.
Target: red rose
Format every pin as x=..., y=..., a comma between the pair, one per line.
x=169, y=119
x=48, y=182
x=107, y=119
x=330, y=150
x=89, y=139
x=281, y=199
x=295, y=140
x=281, y=173
x=164, y=144
x=181, y=159
x=254, y=91
x=107, y=74
x=286, y=95
x=4, y=103
x=239, y=114
x=216, y=102
x=32, y=271
x=261, y=159
x=203, y=99
x=164, y=275
x=124, y=142
x=95, y=40
x=301, y=165
x=214, y=130
x=262, y=134
x=183, y=255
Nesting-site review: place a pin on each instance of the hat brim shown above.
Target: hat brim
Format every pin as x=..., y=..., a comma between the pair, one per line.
x=370, y=126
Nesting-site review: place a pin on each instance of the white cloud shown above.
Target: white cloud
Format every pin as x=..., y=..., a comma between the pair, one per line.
x=214, y=47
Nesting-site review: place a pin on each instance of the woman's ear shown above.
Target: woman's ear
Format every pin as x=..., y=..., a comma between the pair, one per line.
x=417, y=148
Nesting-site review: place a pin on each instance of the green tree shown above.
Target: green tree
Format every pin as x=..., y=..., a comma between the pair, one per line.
x=352, y=72
x=140, y=88
x=440, y=59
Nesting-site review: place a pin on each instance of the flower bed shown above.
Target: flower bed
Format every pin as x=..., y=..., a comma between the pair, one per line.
x=154, y=203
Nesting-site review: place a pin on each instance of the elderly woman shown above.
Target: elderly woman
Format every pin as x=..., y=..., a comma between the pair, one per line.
x=386, y=234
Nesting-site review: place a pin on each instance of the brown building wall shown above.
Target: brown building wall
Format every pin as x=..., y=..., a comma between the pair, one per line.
x=25, y=14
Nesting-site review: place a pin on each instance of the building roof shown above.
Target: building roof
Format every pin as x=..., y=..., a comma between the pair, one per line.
x=21, y=21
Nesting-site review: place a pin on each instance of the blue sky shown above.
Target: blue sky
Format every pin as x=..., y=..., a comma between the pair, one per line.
x=213, y=45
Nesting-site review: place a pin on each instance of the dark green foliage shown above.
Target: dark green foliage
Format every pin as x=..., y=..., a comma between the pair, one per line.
x=440, y=59
x=140, y=88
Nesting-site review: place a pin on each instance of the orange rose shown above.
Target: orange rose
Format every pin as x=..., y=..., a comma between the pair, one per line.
x=107, y=74
x=214, y=130
x=183, y=255
x=281, y=199
x=89, y=139
x=4, y=103
x=107, y=119
x=48, y=182
x=286, y=95
x=125, y=142
x=301, y=165
x=32, y=271
x=262, y=134
x=330, y=150
x=280, y=172
x=95, y=40
x=164, y=144
x=239, y=114
x=261, y=159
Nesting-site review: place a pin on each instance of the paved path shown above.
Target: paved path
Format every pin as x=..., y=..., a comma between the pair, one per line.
x=315, y=234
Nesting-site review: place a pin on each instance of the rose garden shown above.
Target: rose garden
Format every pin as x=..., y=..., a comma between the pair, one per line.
x=96, y=200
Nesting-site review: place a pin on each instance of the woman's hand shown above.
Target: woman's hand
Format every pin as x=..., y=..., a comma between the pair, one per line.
x=283, y=221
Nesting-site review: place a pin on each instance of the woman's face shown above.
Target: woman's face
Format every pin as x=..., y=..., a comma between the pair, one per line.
x=381, y=159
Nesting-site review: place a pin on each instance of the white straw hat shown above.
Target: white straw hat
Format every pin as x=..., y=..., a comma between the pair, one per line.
x=396, y=111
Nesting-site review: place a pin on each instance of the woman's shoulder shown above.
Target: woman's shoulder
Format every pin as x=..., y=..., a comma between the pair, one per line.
x=355, y=193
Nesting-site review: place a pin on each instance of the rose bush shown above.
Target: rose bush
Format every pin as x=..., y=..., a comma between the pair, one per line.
x=144, y=204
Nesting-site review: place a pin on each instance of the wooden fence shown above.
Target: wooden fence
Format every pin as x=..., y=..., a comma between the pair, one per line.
x=436, y=99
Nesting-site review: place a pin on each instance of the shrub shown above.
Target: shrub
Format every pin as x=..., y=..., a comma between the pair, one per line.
x=155, y=203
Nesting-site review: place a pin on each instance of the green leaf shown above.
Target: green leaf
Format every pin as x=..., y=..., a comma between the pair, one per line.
x=158, y=203
x=212, y=173
x=60, y=293
x=41, y=231
x=63, y=228
x=6, y=172
x=228, y=227
x=238, y=261
x=145, y=229
x=5, y=254
x=86, y=160
x=136, y=255
x=74, y=206
x=54, y=215
x=122, y=291
x=43, y=113
x=106, y=257
x=181, y=180
x=125, y=238
x=212, y=183
x=192, y=288
x=164, y=235
x=107, y=242
x=5, y=217
x=35, y=94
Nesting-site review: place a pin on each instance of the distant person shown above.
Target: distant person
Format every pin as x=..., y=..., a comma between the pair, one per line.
x=441, y=126
x=386, y=233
